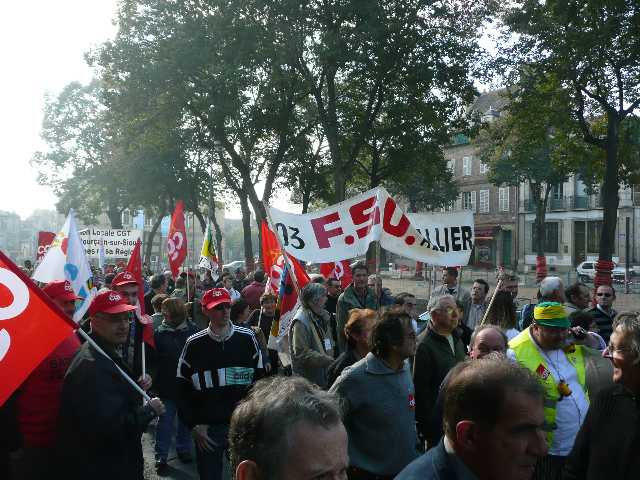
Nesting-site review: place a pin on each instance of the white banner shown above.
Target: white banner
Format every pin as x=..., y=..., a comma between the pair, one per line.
x=345, y=231
x=115, y=243
x=451, y=233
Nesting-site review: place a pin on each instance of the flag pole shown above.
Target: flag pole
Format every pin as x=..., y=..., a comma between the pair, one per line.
x=495, y=291
x=93, y=343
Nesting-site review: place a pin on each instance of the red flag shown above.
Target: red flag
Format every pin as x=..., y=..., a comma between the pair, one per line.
x=177, y=240
x=340, y=271
x=272, y=258
x=135, y=268
x=287, y=295
x=31, y=326
x=45, y=239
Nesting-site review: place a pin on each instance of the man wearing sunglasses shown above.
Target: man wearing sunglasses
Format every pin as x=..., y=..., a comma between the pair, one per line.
x=216, y=369
x=603, y=313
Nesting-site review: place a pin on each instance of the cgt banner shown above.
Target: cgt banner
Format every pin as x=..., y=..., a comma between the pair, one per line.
x=116, y=243
x=346, y=229
x=45, y=239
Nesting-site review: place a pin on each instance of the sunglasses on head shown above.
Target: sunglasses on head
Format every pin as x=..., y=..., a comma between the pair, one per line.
x=603, y=294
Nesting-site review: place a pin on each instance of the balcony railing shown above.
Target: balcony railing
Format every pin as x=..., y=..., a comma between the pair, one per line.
x=565, y=203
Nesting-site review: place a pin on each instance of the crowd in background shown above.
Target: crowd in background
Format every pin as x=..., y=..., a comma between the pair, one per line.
x=362, y=385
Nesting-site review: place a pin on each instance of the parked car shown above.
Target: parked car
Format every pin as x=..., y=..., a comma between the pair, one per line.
x=587, y=272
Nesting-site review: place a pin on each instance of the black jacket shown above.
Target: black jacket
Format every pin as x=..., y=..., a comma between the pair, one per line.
x=433, y=465
x=433, y=361
x=101, y=420
x=169, y=344
x=608, y=443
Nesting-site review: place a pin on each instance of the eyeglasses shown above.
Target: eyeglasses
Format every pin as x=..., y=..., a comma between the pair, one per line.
x=222, y=306
x=603, y=294
x=611, y=349
x=409, y=304
x=449, y=310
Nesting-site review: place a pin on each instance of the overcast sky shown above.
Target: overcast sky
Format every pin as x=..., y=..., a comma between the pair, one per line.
x=42, y=43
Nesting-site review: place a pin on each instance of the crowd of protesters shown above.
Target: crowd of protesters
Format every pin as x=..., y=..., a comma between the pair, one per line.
x=359, y=387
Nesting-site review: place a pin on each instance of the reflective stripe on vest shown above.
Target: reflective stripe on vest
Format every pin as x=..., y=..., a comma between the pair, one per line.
x=529, y=356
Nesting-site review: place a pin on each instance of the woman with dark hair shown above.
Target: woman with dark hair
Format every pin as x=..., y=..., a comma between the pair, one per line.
x=357, y=330
x=267, y=319
x=240, y=314
x=378, y=404
x=502, y=313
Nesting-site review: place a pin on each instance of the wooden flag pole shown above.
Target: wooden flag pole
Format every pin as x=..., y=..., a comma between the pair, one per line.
x=92, y=342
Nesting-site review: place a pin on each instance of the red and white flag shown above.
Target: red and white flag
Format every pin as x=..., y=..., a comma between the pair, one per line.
x=45, y=239
x=31, y=326
x=135, y=267
x=338, y=270
x=177, y=240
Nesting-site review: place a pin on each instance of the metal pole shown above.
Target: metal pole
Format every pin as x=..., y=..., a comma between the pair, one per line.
x=627, y=254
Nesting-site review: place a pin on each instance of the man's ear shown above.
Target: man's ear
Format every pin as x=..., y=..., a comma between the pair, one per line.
x=247, y=470
x=468, y=435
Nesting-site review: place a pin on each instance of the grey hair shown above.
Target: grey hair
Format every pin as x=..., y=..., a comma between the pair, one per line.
x=629, y=324
x=261, y=423
x=310, y=293
x=548, y=285
x=435, y=303
x=480, y=328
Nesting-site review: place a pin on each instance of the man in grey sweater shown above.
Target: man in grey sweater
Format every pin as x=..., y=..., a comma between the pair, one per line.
x=378, y=403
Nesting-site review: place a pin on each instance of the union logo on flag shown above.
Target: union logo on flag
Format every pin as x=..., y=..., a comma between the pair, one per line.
x=543, y=372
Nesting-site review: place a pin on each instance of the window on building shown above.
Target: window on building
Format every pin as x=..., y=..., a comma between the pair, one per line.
x=557, y=191
x=551, y=237
x=451, y=166
x=484, y=168
x=503, y=199
x=126, y=217
x=469, y=201
x=484, y=201
x=593, y=236
x=466, y=166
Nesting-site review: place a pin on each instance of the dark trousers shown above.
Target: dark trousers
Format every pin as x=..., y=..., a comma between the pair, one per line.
x=549, y=467
x=210, y=463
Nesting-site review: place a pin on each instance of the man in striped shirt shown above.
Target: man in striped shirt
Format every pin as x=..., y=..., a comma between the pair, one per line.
x=216, y=369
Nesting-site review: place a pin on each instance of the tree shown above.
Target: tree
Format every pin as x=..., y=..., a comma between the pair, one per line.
x=526, y=145
x=81, y=162
x=592, y=47
x=357, y=58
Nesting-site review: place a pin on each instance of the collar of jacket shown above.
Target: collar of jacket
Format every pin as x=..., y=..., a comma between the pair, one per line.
x=376, y=366
x=441, y=338
x=350, y=291
x=224, y=336
x=164, y=327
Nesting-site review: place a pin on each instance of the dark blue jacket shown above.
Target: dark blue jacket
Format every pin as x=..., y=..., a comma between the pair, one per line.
x=169, y=344
x=433, y=465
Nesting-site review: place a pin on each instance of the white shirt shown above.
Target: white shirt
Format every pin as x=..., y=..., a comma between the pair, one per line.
x=233, y=293
x=570, y=411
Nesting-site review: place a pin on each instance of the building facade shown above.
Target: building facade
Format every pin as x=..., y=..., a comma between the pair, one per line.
x=495, y=208
x=573, y=223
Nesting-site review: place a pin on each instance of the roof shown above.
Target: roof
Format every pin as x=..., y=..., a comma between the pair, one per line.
x=494, y=100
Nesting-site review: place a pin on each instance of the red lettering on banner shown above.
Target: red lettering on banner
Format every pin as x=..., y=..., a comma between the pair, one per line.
x=323, y=235
x=403, y=224
x=365, y=212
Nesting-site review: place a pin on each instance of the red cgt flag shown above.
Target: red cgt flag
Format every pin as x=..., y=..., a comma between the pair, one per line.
x=135, y=267
x=272, y=258
x=31, y=326
x=177, y=240
x=340, y=271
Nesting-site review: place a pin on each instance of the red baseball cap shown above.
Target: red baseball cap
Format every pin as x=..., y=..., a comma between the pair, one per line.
x=109, y=301
x=124, y=278
x=60, y=289
x=214, y=297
